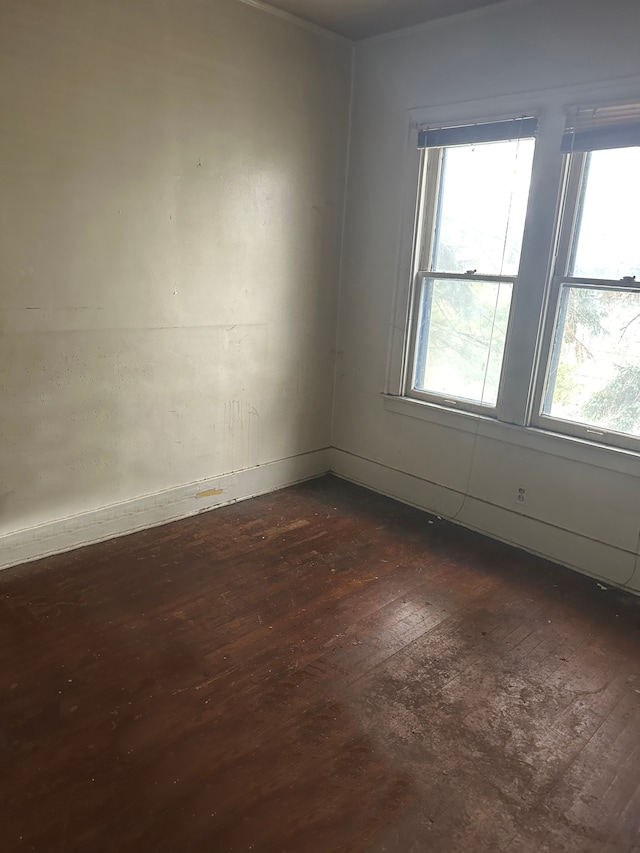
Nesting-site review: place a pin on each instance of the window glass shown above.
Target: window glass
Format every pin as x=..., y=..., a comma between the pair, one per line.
x=481, y=207
x=607, y=243
x=594, y=376
x=461, y=338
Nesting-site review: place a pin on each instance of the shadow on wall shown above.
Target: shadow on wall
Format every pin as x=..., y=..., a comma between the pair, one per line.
x=173, y=251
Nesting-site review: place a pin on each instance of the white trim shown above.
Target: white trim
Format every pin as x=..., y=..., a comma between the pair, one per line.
x=565, y=446
x=529, y=296
x=191, y=499
x=141, y=513
x=533, y=102
x=298, y=22
x=407, y=261
x=560, y=545
x=436, y=23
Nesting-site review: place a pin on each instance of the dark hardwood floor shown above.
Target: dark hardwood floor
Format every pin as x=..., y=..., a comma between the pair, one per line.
x=319, y=669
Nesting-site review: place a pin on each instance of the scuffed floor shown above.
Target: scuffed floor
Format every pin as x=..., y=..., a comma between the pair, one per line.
x=320, y=669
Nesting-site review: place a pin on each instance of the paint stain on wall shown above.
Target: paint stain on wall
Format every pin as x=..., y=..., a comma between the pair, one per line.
x=208, y=493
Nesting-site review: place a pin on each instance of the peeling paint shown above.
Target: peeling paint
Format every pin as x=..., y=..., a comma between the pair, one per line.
x=209, y=493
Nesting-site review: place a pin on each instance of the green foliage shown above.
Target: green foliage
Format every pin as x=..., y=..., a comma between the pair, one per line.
x=566, y=386
x=617, y=405
x=599, y=325
x=466, y=335
x=583, y=322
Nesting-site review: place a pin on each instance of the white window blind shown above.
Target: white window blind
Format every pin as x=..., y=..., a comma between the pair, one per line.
x=474, y=134
x=595, y=128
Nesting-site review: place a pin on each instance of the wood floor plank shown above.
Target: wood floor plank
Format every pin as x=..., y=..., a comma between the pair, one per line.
x=319, y=669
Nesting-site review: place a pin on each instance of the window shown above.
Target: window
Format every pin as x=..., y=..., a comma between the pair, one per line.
x=476, y=187
x=573, y=364
x=594, y=369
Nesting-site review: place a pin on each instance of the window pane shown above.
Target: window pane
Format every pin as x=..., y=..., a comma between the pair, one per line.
x=595, y=364
x=607, y=244
x=482, y=206
x=461, y=337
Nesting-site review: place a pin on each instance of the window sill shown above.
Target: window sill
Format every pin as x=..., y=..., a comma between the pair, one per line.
x=530, y=438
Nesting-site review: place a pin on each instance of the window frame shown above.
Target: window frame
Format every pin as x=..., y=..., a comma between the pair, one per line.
x=428, y=199
x=534, y=302
x=567, y=227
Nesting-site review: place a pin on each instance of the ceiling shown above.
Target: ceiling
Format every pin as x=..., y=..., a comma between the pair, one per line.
x=357, y=19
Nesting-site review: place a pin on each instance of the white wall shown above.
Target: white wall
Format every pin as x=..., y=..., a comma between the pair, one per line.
x=170, y=220
x=584, y=504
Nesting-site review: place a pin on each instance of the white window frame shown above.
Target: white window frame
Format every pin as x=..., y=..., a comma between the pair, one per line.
x=430, y=177
x=535, y=292
x=575, y=166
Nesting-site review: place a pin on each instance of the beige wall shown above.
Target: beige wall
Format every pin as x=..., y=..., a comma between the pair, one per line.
x=171, y=215
x=582, y=503
x=170, y=220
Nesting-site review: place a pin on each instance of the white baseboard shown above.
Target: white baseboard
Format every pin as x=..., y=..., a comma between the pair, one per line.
x=600, y=560
x=65, y=534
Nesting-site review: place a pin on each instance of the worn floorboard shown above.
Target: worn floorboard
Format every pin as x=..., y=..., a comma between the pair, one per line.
x=319, y=669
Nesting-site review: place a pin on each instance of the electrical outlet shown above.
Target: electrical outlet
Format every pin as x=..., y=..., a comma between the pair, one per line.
x=521, y=495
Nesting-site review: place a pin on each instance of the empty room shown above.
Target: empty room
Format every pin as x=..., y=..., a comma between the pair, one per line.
x=320, y=426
